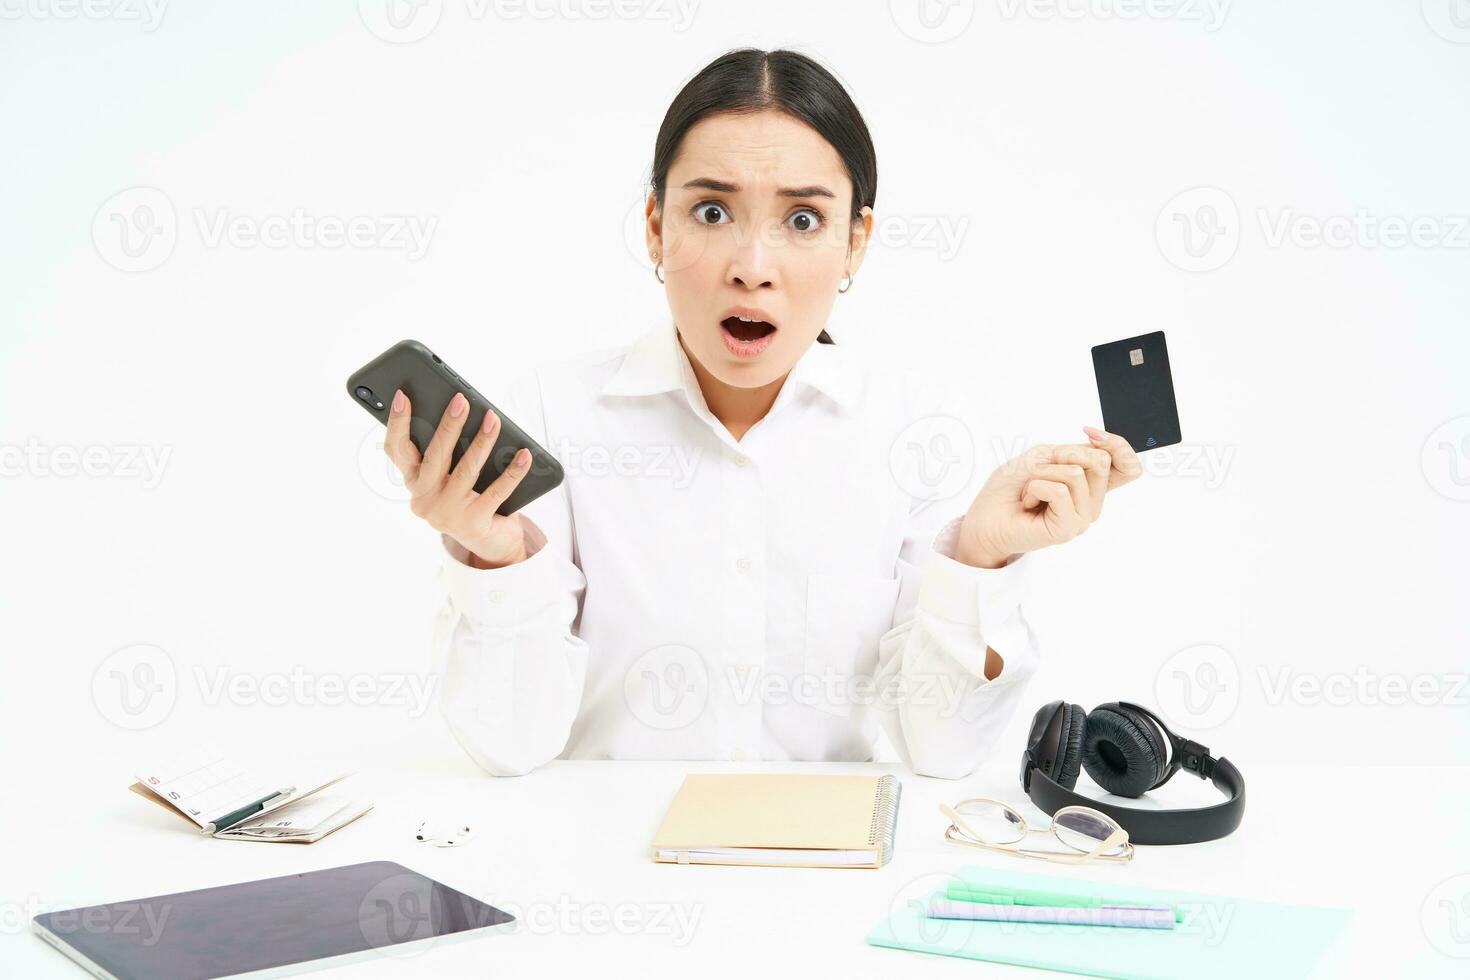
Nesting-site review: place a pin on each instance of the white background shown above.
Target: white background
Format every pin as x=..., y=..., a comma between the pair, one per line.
x=1285, y=587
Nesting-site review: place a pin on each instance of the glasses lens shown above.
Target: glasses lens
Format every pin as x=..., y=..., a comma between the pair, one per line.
x=996, y=823
x=1082, y=830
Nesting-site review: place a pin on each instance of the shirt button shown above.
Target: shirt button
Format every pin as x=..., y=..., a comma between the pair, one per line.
x=742, y=565
x=742, y=461
x=741, y=670
x=497, y=595
x=737, y=756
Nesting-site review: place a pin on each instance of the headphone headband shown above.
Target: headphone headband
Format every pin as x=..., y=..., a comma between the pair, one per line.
x=1185, y=826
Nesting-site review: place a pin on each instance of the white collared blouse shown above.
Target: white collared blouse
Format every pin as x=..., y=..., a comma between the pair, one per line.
x=790, y=595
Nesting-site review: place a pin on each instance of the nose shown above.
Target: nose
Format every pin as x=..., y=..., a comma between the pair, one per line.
x=751, y=266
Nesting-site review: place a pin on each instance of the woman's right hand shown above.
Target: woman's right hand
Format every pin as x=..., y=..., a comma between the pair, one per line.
x=447, y=499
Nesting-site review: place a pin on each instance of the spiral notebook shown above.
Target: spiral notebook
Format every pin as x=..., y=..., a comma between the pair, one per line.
x=798, y=821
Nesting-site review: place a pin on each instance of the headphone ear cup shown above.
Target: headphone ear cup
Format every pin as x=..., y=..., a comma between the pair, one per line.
x=1069, y=747
x=1122, y=752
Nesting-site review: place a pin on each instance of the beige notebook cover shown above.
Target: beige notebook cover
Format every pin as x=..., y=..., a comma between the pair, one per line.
x=779, y=819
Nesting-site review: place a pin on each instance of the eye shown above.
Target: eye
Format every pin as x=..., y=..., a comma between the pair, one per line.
x=806, y=220
x=709, y=213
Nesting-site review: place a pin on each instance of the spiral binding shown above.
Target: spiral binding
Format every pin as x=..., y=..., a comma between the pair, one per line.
x=885, y=815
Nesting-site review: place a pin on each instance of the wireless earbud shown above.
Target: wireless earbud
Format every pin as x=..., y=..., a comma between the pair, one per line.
x=443, y=834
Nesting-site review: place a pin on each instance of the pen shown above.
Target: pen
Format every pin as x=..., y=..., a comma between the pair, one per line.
x=248, y=810
x=967, y=892
x=1137, y=917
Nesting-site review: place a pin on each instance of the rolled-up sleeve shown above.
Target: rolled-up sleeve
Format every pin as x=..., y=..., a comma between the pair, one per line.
x=943, y=716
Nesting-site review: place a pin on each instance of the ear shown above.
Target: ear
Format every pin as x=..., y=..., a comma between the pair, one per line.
x=653, y=228
x=857, y=243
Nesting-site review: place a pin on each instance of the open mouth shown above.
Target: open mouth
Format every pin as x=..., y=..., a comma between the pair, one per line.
x=746, y=331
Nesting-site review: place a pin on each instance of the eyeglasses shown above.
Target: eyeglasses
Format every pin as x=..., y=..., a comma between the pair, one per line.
x=1087, y=833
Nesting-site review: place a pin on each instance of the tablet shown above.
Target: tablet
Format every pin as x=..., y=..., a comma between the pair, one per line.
x=269, y=928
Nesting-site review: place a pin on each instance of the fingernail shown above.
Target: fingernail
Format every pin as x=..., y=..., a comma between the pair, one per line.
x=522, y=458
x=1097, y=435
x=490, y=419
x=398, y=401
x=457, y=405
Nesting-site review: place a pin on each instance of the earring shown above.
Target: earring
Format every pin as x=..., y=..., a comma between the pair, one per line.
x=843, y=289
x=656, y=268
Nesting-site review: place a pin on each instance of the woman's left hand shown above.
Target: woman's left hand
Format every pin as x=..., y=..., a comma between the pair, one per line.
x=1045, y=496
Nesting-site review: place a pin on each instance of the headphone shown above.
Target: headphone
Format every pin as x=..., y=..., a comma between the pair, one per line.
x=1127, y=751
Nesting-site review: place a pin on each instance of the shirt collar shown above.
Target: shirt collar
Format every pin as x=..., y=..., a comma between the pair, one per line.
x=656, y=363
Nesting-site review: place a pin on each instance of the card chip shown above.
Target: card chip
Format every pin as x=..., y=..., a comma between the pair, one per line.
x=1135, y=356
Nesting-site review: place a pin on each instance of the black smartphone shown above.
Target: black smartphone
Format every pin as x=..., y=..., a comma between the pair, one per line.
x=429, y=384
x=1136, y=390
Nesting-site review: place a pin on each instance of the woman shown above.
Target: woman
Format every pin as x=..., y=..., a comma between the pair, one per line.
x=731, y=569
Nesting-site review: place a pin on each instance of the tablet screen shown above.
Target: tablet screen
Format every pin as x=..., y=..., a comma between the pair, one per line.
x=272, y=923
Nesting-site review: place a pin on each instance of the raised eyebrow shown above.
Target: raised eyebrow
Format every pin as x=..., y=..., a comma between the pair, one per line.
x=725, y=187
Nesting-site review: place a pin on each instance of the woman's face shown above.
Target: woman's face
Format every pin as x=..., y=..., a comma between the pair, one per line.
x=755, y=222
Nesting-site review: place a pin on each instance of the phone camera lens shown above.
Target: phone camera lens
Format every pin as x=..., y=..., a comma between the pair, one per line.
x=366, y=394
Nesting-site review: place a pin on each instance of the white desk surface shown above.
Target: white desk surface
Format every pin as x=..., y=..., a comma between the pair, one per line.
x=567, y=846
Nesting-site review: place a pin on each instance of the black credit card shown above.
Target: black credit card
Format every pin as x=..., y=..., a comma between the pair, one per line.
x=1137, y=391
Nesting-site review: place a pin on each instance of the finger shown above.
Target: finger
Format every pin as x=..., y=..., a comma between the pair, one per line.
x=1060, y=517
x=1074, y=477
x=396, y=443
x=441, y=447
x=1126, y=465
x=467, y=470
x=1098, y=463
x=484, y=508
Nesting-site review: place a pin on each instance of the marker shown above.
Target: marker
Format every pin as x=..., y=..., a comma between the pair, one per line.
x=248, y=810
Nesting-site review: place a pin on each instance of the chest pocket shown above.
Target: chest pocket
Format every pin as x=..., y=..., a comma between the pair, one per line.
x=845, y=617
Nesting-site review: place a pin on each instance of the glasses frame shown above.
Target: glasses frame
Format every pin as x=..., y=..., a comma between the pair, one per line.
x=959, y=832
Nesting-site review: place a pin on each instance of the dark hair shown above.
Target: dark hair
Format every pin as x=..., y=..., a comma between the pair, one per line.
x=750, y=80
